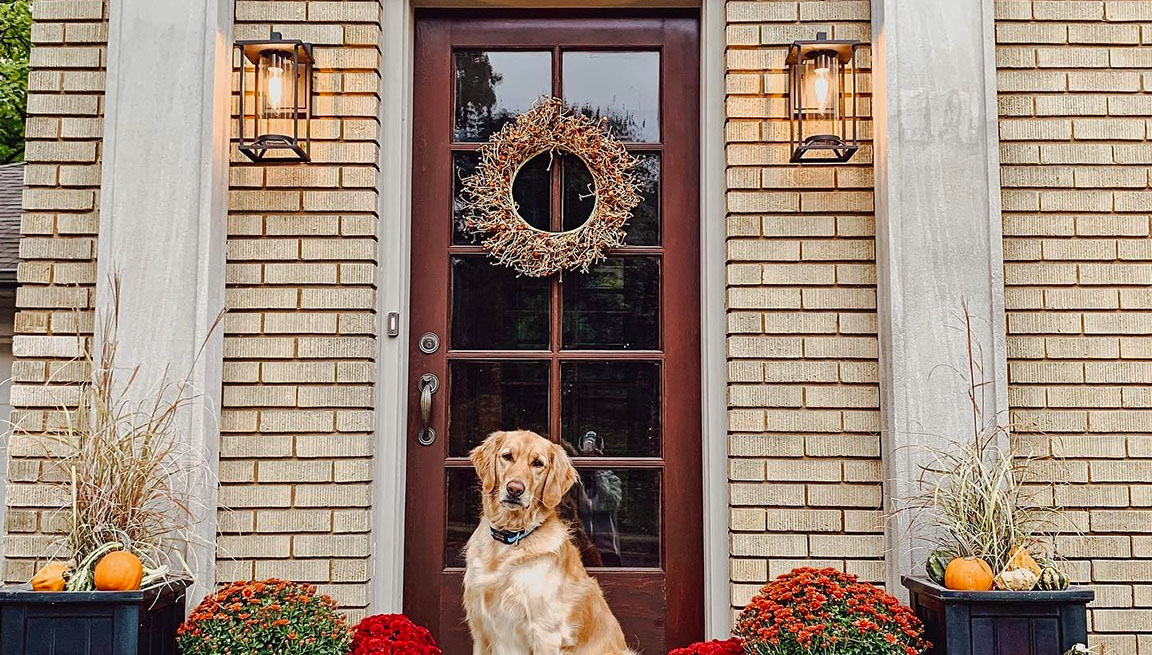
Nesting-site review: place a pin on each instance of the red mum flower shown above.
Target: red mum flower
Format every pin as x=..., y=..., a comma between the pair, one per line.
x=727, y=647
x=392, y=634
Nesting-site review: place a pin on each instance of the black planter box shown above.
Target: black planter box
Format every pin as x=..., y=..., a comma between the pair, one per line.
x=1000, y=622
x=90, y=622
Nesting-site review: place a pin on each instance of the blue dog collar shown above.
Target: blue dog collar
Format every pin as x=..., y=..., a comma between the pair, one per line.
x=509, y=537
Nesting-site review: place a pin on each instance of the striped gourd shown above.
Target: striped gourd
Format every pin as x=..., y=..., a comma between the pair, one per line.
x=937, y=563
x=1051, y=579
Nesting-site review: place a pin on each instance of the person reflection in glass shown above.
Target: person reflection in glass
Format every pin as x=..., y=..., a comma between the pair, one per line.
x=600, y=494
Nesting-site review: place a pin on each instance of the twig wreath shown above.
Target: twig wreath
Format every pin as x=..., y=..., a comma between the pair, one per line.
x=493, y=215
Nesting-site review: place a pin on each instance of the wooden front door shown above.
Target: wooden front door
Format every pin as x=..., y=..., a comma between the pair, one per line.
x=604, y=362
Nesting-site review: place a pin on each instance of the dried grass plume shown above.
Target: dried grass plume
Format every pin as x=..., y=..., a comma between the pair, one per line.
x=126, y=466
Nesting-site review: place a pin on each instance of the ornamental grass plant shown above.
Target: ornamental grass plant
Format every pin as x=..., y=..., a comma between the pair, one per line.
x=126, y=469
x=979, y=498
x=982, y=496
x=826, y=611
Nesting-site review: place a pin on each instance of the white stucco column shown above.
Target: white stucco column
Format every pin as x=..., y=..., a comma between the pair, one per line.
x=938, y=236
x=163, y=210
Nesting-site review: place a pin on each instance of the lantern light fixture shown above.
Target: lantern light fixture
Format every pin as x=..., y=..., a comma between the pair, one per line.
x=275, y=114
x=822, y=101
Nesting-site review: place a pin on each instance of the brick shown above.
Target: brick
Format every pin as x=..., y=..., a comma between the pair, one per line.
x=746, y=420
x=331, y=546
x=1134, y=620
x=333, y=495
x=256, y=496
x=1121, y=81
x=297, y=421
x=1013, y=9
x=333, y=446
x=296, y=570
x=1069, y=10
x=847, y=545
x=761, y=11
x=1031, y=33
x=835, y=10
x=1098, y=32
x=765, y=545
x=253, y=10
x=842, y=495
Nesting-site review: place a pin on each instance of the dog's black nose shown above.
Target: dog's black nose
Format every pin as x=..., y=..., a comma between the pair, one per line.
x=515, y=488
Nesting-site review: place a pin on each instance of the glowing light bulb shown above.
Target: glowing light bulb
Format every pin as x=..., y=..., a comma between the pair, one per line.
x=275, y=87
x=821, y=85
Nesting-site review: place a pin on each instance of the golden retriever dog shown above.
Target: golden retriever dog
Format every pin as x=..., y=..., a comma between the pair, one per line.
x=526, y=591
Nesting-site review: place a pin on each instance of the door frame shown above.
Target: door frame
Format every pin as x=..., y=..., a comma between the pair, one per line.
x=392, y=283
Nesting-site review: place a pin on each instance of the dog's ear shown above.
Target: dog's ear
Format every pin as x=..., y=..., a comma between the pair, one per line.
x=484, y=460
x=561, y=476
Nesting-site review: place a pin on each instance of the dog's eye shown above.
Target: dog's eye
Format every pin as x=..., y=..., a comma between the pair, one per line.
x=536, y=463
x=507, y=457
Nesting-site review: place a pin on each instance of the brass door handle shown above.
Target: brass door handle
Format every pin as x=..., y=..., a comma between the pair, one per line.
x=429, y=384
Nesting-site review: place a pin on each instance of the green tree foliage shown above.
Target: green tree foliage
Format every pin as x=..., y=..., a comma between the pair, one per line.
x=15, y=42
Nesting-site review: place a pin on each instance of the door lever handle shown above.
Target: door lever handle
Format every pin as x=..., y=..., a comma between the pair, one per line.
x=429, y=384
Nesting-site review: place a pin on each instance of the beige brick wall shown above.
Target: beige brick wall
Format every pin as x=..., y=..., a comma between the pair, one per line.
x=299, y=344
x=58, y=250
x=1076, y=130
x=803, y=418
x=1075, y=83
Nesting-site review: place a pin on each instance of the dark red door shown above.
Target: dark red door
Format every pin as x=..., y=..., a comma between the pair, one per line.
x=606, y=362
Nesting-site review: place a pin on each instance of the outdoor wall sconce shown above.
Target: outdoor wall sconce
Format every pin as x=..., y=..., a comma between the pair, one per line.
x=822, y=114
x=275, y=114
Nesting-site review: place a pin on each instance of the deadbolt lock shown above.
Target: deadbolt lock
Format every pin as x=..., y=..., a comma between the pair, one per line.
x=429, y=343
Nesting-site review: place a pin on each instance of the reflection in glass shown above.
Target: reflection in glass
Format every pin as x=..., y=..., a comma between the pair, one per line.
x=579, y=199
x=532, y=191
x=615, y=305
x=579, y=191
x=463, y=166
x=463, y=509
x=615, y=517
x=490, y=396
x=623, y=87
x=492, y=88
x=614, y=514
x=644, y=228
x=494, y=309
x=611, y=409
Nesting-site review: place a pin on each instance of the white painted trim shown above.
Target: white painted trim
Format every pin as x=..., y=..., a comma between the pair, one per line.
x=165, y=184
x=713, y=323
x=393, y=284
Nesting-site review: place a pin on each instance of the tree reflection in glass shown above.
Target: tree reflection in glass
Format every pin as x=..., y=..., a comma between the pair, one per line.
x=492, y=88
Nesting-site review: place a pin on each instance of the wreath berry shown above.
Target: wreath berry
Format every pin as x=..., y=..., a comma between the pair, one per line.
x=493, y=215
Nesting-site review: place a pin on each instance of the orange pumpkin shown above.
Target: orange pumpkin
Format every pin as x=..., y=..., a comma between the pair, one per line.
x=1022, y=559
x=119, y=570
x=968, y=574
x=50, y=577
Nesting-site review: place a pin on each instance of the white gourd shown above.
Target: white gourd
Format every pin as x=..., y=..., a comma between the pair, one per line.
x=1016, y=579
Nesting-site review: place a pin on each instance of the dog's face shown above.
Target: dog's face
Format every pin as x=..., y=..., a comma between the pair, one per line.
x=522, y=474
